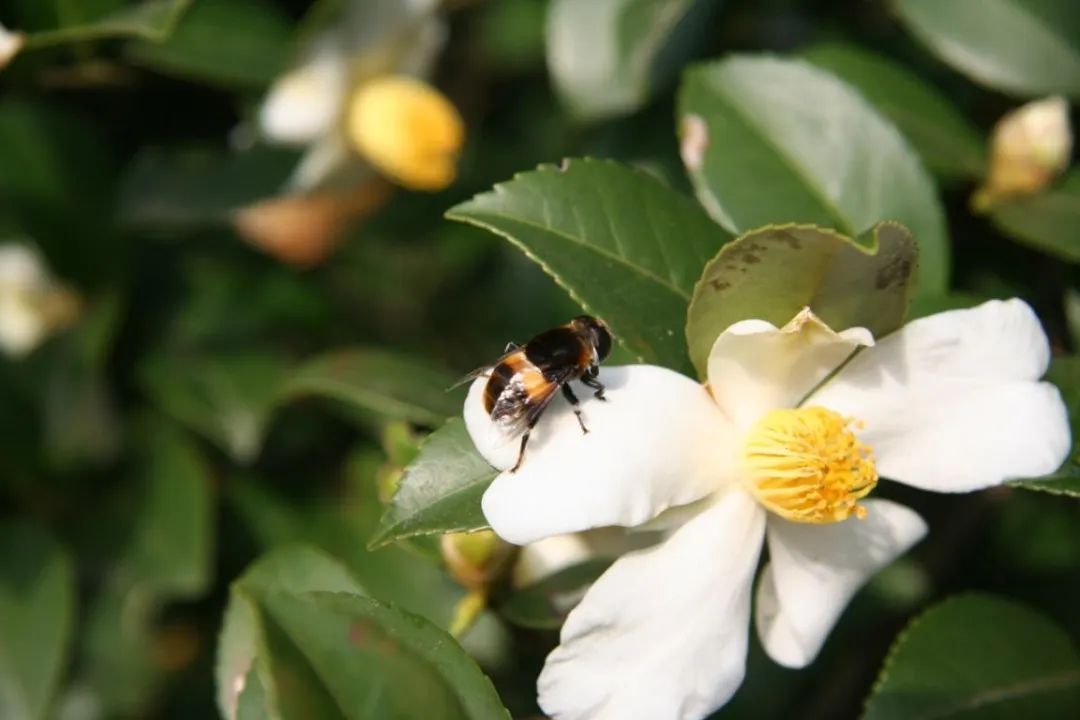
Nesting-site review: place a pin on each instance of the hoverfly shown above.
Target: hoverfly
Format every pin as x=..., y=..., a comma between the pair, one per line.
x=526, y=378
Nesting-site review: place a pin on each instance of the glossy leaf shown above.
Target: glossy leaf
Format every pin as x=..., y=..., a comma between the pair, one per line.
x=380, y=381
x=625, y=246
x=150, y=19
x=774, y=272
x=1047, y=221
x=769, y=141
x=1024, y=47
x=295, y=568
x=234, y=43
x=441, y=489
x=974, y=657
x=375, y=660
x=227, y=399
x=606, y=57
x=37, y=612
x=947, y=142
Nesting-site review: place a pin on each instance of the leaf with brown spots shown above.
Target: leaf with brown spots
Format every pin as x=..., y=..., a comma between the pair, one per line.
x=773, y=272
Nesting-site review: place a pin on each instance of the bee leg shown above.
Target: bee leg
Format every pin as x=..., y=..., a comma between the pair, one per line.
x=511, y=346
x=590, y=380
x=572, y=399
x=521, y=450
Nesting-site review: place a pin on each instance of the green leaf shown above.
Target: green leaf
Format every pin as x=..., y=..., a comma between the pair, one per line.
x=387, y=383
x=320, y=648
x=544, y=605
x=626, y=247
x=625, y=43
x=375, y=660
x=1024, y=47
x=949, y=145
x=37, y=609
x=226, y=399
x=152, y=19
x=441, y=489
x=775, y=141
x=296, y=568
x=774, y=272
x=233, y=43
x=170, y=547
x=976, y=656
x=1046, y=221
x=1065, y=373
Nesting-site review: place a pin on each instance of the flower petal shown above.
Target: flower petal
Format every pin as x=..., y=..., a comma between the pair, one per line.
x=663, y=633
x=658, y=441
x=950, y=402
x=814, y=570
x=755, y=367
x=307, y=101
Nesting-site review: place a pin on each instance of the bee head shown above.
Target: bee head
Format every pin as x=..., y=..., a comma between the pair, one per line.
x=597, y=333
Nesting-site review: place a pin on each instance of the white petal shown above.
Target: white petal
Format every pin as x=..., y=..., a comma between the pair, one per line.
x=755, y=367
x=663, y=633
x=546, y=557
x=306, y=102
x=950, y=402
x=10, y=44
x=814, y=570
x=327, y=160
x=658, y=441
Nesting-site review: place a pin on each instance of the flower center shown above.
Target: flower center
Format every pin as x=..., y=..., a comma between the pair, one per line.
x=806, y=465
x=408, y=130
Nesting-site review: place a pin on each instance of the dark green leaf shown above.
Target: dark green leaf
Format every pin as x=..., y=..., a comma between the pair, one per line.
x=1026, y=47
x=227, y=399
x=151, y=19
x=234, y=43
x=776, y=141
x=976, y=656
x=37, y=610
x=774, y=272
x=379, y=381
x=605, y=56
x=1046, y=221
x=625, y=246
x=947, y=142
x=545, y=604
x=295, y=568
x=441, y=489
x=375, y=660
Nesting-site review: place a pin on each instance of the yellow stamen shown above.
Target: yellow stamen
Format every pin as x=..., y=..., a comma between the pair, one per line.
x=408, y=130
x=806, y=465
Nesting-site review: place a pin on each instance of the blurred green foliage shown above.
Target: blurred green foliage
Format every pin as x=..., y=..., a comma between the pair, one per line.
x=212, y=403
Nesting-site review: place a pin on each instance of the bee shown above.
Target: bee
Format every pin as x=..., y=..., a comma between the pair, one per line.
x=526, y=378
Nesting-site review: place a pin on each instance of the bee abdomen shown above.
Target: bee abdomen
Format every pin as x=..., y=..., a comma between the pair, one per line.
x=501, y=375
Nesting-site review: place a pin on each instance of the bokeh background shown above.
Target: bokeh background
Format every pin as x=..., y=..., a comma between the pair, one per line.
x=212, y=386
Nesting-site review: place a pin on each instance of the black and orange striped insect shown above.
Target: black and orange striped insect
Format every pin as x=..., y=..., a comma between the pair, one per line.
x=526, y=378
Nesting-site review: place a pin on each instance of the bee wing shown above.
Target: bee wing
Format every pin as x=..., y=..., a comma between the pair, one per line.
x=515, y=417
x=483, y=368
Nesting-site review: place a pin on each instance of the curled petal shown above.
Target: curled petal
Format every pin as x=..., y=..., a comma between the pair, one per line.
x=663, y=633
x=951, y=402
x=755, y=367
x=657, y=441
x=814, y=570
x=307, y=101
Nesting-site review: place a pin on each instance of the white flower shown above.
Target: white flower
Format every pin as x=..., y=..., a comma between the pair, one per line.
x=779, y=448
x=358, y=102
x=32, y=303
x=10, y=44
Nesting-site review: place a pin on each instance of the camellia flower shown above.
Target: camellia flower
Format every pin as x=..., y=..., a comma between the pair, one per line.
x=359, y=101
x=33, y=304
x=783, y=446
x=10, y=44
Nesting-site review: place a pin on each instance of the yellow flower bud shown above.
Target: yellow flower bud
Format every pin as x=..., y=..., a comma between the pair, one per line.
x=475, y=559
x=1029, y=148
x=406, y=129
